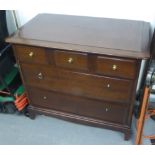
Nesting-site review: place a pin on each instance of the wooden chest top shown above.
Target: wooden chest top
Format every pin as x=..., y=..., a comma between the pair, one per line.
x=116, y=37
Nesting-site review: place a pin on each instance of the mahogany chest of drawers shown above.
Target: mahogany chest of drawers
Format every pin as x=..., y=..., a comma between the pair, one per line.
x=82, y=69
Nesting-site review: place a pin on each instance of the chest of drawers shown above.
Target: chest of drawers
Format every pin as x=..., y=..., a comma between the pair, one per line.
x=82, y=69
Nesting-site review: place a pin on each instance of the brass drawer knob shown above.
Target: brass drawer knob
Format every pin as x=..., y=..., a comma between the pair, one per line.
x=40, y=76
x=108, y=85
x=114, y=67
x=31, y=54
x=70, y=60
x=106, y=109
x=44, y=97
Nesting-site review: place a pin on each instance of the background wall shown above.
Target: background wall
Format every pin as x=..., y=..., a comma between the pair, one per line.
x=124, y=9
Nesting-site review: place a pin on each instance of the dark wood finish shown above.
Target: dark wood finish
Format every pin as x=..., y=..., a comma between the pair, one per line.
x=82, y=119
x=127, y=134
x=125, y=68
x=31, y=54
x=32, y=114
x=98, y=85
x=77, y=105
x=81, y=84
x=71, y=60
x=114, y=37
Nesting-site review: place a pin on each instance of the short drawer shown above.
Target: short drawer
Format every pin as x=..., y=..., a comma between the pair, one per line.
x=71, y=60
x=78, y=105
x=79, y=84
x=118, y=67
x=31, y=54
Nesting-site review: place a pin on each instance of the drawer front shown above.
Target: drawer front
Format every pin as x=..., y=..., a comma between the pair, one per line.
x=79, y=84
x=77, y=105
x=103, y=110
x=116, y=67
x=31, y=54
x=50, y=100
x=71, y=60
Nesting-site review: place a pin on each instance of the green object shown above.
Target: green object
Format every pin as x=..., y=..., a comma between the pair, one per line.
x=9, y=77
x=6, y=99
x=20, y=90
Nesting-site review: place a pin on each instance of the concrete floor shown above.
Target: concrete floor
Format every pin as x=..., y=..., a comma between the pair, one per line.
x=18, y=129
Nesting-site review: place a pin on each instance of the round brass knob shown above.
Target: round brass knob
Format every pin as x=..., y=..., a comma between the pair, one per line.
x=44, y=97
x=114, y=67
x=70, y=60
x=106, y=109
x=40, y=76
x=31, y=54
x=108, y=85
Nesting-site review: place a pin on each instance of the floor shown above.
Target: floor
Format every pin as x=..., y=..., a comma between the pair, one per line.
x=18, y=129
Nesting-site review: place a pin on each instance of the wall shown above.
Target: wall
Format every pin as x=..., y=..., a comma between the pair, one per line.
x=10, y=22
x=124, y=9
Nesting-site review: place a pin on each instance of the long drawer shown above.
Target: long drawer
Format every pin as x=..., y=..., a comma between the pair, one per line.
x=79, y=84
x=81, y=106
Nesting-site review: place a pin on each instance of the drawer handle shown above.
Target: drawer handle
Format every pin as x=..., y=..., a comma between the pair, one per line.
x=106, y=109
x=44, y=97
x=40, y=76
x=108, y=85
x=114, y=67
x=31, y=54
x=70, y=60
